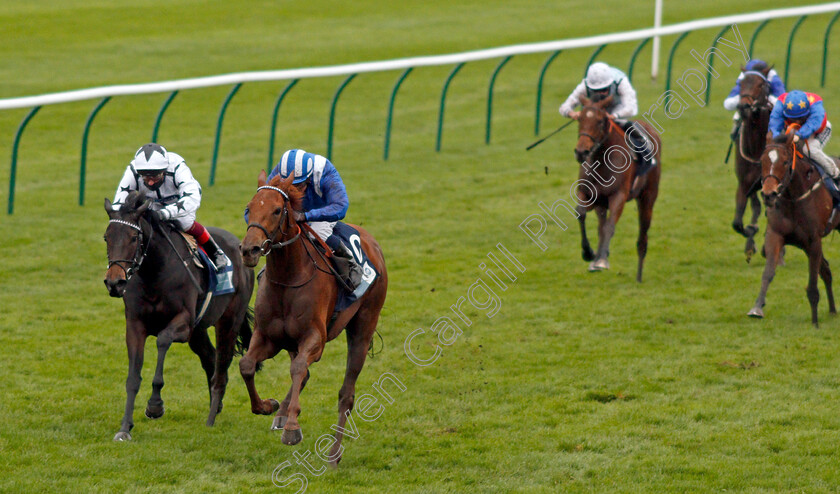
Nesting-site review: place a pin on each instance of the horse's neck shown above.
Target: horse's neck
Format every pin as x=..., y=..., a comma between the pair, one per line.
x=753, y=132
x=288, y=264
x=160, y=258
x=616, y=138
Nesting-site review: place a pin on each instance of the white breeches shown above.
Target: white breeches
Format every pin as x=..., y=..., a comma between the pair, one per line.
x=323, y=228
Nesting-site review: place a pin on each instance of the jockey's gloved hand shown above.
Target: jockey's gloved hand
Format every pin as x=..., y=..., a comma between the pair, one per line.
x=161, y=214
x=298, y=216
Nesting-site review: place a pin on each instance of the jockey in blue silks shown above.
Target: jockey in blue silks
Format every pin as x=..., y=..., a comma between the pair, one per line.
x=325, y=202
x=754, y=66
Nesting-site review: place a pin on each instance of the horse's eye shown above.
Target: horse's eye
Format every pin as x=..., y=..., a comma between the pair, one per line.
x=278, y=211
x=104, y=238
x=135, y=238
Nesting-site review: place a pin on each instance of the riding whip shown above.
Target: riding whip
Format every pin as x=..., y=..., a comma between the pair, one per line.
x=549, y=135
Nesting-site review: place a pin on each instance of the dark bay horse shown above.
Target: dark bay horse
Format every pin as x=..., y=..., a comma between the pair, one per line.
x=798, y=207
x=608, y=167
x=162, y=299
x=294, y=306
x=754, y=109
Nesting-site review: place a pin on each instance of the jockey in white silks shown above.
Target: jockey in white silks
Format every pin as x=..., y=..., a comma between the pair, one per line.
x=165, y=178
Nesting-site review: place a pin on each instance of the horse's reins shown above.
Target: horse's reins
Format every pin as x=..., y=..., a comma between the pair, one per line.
x=789, y=171
x=135, y=263
x=598, y=144
x=279, y=245
x=185, y=263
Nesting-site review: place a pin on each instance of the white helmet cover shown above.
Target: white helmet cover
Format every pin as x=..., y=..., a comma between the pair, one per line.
x=598, y=76
x=151, y=157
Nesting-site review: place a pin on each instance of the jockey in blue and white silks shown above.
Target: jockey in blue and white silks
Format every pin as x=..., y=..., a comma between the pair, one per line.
x=756, y=66
x=325, y=200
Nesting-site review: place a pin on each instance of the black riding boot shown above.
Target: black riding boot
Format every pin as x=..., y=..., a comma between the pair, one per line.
x=215, y=253
x=345, y=264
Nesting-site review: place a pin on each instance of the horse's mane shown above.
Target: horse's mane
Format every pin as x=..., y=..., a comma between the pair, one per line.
x=780, y=139
x=295, y=194
x=759, y=67
x=134, y=200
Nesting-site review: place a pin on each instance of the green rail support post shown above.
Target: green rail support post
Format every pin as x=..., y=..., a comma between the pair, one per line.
x=274, y=122
x=633, y=58
x=332, y=114
x=443, y=102
x=755, y=35
x=543, y=69
x=490, y=97
x=670, y=66
x=391, y=110
x=825, y=47
x=83, y=165
x=712, y=63
x=222, y=111
x=13, y=172
x=592, y=58
x=790, y=43
x=162, y=110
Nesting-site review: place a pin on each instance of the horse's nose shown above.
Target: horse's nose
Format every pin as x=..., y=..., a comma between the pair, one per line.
x=770, y=199
x=116, y=287
x=250, y=255
x=580, y=155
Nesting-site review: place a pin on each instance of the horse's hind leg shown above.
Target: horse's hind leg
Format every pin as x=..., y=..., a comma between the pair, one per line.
x=645, y=203
x=360, y=332
x=135, y=340
x=825, y=274
x=226, y=333
x=260, y=349
x=740, y=207
x=814, y=264
x=773, y=243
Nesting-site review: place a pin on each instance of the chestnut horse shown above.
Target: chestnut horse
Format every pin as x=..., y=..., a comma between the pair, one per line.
x=162, y=297
x=798, y=207
x=602, y=141
x=754, y=109
x=295, y=302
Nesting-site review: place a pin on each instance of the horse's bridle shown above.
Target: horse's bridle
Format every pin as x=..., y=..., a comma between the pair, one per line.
x=785, y=181
x=269, y=242
x=598, y=144
x=765, y=91
x=139, y=256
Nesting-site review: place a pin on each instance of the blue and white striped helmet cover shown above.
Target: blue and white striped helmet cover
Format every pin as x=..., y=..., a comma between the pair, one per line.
x=299, y=163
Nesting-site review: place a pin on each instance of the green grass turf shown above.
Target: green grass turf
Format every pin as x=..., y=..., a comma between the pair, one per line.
x=580, y=382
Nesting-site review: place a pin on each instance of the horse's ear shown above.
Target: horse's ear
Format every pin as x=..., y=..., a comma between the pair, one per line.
x=585, y=101
x=109, y=208
x=606, y=102
x=790, y=137
x=261, y=179
x=143, y=207
x=287, y=182
x=766, y=71
x=743, y=69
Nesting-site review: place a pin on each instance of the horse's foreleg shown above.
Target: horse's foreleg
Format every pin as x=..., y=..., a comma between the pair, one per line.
x=740, y=207
x=283, y=412
x=359, y=335
x=752, y=228
x=261, y=348
x=586, y=249
x=825, y=274
x=178, y=330
x=607, y=230
x=135, y=340
x=773, y=243
x=309, y=351
x=814, y=264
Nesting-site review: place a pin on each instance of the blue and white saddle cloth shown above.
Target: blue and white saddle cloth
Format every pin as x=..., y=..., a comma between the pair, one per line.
x=350, y=237
x=217, y=283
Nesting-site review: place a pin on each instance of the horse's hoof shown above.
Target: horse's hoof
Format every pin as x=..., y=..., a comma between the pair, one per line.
x=587, y=255
x=278, y=423
x=291, y=437
x=334, y=463
x=756, y=312
x=751, y=230
x=122, y=436
x=593, y=268
x=154, y=413
x=275, y=405
x=599, y=265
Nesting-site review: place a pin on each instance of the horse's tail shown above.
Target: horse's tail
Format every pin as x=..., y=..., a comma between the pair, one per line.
x=243, y=339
